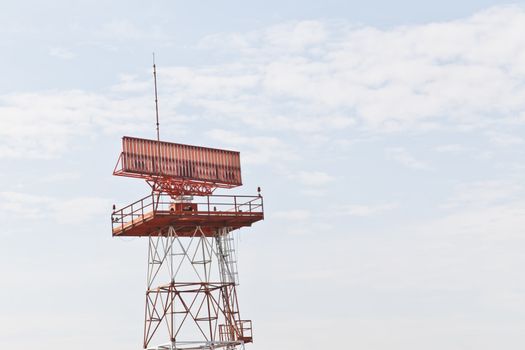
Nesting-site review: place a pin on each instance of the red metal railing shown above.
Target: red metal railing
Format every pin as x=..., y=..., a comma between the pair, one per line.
x=245, y=326
x=228, y=333
x=215, y=205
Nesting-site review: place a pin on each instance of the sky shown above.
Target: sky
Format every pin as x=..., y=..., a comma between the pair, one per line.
x=387, y=137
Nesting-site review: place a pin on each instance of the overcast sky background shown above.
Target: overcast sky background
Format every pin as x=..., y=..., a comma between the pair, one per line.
x=388, y=138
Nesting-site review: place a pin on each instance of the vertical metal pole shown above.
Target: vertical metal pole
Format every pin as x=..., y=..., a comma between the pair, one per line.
x=156, y=98
x=157, y=120
x=155, y=205
x=207, y=281
x=171, y=234
x=148, y=283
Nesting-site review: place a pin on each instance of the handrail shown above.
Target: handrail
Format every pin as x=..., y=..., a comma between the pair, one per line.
x=203, y=205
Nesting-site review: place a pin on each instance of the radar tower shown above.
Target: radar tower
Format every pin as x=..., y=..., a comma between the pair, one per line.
x=192, y=278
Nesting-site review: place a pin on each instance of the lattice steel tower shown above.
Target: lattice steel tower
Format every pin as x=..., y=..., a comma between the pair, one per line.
x=191, y=297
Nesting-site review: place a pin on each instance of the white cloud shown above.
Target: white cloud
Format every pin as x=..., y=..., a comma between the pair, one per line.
x=62, y=53
x=62, y=211
x=291, y=36
x=313, y=178
x=450, y=148
x=129, y=83
x=504, y=139
x=500, y=221
x=24, y=205
x=43, y=125
x=59, y=177
x=363, y=210
x=483, y=194
x=402, y=156
x=357, y=210
x=296, y=35
x=256, y=149
x=306, y=77
x=313, y=192
x=414, y=77
x=79, y=210
x=125, y=30
x=295, y=214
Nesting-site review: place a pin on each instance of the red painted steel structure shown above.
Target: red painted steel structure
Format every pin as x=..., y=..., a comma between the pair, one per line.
x=146, y=215
x=173, y=220
x=179, y=169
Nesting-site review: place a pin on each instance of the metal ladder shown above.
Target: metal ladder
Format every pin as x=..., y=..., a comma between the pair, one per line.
x=227, y=257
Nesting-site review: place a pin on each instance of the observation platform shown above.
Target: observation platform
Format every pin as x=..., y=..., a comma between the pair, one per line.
x=150, y=215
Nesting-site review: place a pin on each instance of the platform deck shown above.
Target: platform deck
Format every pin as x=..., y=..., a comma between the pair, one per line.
x=184, y=222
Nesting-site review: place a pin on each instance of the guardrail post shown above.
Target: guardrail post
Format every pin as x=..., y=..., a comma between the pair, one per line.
x=208, y=200
x=153, y=207
x=235, y=203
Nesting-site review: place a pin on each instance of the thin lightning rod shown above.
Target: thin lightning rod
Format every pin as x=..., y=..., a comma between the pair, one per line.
x=158, y=132
x=156, y=98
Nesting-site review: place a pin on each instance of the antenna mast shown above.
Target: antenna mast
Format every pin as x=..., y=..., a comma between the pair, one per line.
x=156, y=98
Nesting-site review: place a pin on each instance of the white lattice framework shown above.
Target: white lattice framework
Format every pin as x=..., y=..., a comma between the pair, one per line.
x=191, y=297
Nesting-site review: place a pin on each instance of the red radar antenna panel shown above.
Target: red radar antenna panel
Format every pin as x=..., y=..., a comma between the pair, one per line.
x=192, y=279
x=179, y=169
